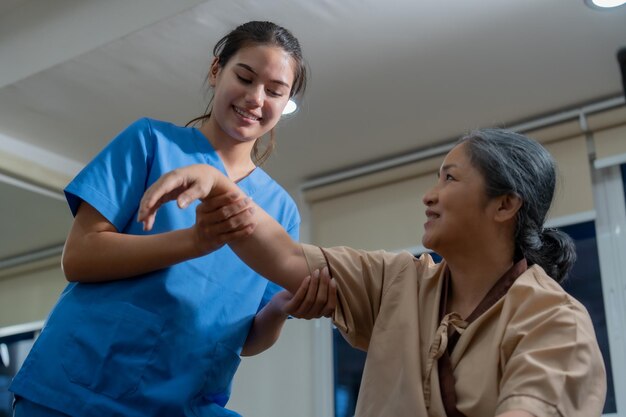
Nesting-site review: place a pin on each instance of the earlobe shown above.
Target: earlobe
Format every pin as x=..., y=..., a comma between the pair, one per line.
x=213, y=71
x=508, y=207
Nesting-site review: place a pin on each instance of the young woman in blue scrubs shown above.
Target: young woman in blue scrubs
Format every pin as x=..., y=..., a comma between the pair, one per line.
x=148, y=325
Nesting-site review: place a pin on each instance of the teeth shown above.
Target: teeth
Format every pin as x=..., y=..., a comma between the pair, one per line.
x=245, y=114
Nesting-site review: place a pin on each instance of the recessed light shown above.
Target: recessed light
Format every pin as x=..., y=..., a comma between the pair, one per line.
x=605, y=4
x=292, y=106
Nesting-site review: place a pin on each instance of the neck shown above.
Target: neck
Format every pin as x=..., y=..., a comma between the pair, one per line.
x=235, y=155
x=473, y=272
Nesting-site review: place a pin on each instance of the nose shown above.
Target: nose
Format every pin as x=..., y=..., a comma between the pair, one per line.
x=430, y=197
x=255, y=96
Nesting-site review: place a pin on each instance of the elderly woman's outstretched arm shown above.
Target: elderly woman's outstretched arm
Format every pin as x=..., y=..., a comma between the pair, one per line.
x=265, y=247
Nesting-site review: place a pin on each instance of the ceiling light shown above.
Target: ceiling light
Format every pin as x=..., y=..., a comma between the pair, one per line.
x=605, y=4
x=292, y=106
x=4, y=355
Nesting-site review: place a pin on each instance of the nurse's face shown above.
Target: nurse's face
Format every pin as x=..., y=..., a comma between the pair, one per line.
x=250, y=91
x=458, y=211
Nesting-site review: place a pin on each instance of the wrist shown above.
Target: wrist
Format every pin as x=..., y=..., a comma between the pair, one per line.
x=194, y=246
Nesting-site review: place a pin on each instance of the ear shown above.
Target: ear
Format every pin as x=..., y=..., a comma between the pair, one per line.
x=214, y=71
x=507, y=207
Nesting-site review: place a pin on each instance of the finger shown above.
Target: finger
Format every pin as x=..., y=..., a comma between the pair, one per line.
x=171, y=186
x=195, y=191
x=309, y=299
x=229, y=237
x=155, y=196
x=321, y=296
x=213, y=224
x=161, y=187
x=222, y=212
x=291, y=307
x=222, y=200
x=331, y=304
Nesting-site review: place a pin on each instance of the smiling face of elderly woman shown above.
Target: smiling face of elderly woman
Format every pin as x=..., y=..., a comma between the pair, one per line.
x=475, y=177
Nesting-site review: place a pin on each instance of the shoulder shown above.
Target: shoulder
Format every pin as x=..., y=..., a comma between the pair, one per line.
x=138, y=131
x=158, y=127
x=537, y=298
x=536, y=286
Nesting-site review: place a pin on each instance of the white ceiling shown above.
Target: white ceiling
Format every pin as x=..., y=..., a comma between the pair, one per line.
x=387, y=77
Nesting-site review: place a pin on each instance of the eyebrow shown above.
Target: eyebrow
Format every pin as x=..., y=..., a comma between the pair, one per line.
x=249, y=68
x=445, y=168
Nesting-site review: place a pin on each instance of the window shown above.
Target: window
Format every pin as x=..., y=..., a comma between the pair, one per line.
x=585, y=284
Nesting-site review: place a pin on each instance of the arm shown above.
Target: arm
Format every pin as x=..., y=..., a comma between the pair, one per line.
x=269, y=249
x=95, y=251
x=362, y=276
x=316, y=297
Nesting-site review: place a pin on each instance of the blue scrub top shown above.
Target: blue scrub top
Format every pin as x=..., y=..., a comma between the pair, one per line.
x=165, y=343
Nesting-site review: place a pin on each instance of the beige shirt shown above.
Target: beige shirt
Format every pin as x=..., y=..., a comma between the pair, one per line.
x=534, y=349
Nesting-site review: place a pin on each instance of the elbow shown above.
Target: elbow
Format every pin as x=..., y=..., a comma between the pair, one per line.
x=69, y=266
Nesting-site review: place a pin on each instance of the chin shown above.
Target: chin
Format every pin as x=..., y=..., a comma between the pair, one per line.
x=243, y=137
x=427, y=243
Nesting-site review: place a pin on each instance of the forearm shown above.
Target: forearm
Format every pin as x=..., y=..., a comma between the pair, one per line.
x=107, y=255
x=271, y=252
x=265, y=330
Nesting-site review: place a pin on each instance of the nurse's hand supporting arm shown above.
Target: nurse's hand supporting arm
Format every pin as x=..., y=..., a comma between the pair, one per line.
x=316, y=297
x=96, y=251
x=269, y=250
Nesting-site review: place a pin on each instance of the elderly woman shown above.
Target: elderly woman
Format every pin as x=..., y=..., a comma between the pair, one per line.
x=487, y=332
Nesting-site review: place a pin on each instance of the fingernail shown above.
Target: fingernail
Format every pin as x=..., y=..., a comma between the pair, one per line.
x=182, y=203
x=316, y=273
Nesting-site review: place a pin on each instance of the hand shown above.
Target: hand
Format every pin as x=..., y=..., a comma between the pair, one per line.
x=316, y=297
x=183, y=185
x=223, y=219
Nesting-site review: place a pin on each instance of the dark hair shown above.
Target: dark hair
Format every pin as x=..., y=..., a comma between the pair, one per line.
x=260, y=33
x=515, y=164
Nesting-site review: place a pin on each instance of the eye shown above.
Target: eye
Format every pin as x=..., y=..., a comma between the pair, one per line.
x=244, y=80
x=449, y=177
x=274, y=93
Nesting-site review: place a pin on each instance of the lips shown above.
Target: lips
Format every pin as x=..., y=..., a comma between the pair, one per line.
x=431, y=215
x=246, y=115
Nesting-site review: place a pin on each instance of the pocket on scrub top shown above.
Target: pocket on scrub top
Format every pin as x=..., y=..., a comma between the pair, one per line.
x=109, y=347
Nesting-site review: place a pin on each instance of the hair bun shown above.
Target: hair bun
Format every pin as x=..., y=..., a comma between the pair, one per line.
x=559, y=251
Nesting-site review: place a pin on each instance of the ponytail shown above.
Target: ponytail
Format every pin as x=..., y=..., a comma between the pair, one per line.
x=556, y=253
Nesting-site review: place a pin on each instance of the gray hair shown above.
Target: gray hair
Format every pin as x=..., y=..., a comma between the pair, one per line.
x=512, y=163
